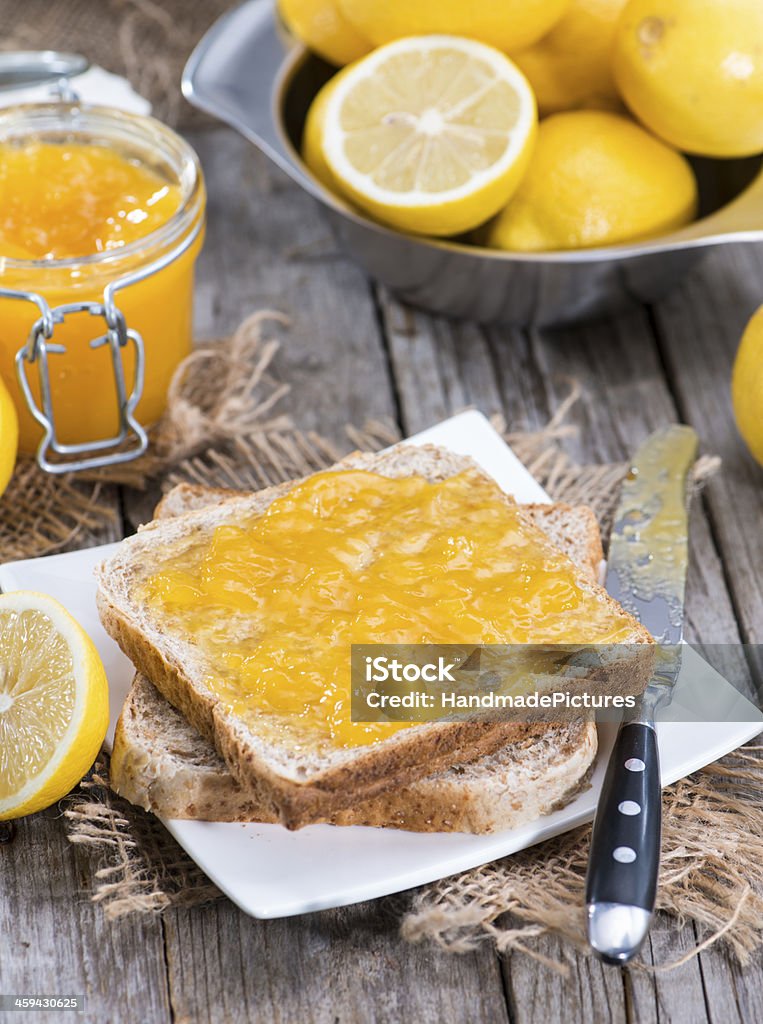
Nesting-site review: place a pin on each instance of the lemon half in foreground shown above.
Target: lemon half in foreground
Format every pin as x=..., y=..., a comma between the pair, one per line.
x=54, y=703
x=430, y=134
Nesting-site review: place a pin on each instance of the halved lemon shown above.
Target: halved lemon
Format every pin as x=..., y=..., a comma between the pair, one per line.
x=430, y=134
x=54, y=703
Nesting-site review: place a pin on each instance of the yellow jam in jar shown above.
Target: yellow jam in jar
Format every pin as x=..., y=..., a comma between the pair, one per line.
x=84, y=203
x=67, y=200
x=276, y=601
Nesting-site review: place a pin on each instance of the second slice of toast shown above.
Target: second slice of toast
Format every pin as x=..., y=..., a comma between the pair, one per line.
x=160, y=763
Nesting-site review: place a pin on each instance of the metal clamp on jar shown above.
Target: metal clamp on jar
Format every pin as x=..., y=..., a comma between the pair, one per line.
x=85, y=401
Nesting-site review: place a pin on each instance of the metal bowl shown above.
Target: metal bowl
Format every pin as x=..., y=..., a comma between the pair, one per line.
x=239, y=74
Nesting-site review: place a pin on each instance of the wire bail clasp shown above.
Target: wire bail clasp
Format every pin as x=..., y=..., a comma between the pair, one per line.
x=39, y=346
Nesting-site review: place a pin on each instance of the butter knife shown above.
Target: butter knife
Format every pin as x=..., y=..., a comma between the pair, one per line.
x=646, y=573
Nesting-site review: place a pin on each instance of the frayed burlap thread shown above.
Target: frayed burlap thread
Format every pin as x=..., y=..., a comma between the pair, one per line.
x=271, y=457
x=41, y=514
x=141, y=868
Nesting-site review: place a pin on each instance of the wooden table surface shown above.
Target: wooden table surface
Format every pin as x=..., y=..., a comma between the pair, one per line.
x=352, y=353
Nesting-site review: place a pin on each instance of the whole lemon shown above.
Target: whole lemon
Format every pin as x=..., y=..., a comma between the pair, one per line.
x=323, y=28
x=571, y=66
x=692, y=72
x=9, y=436
x=507, y=25
x=747, y=386
x=595, y=178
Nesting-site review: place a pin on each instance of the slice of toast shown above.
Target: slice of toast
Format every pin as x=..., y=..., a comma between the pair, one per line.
x=160, y=763
x=306, y=783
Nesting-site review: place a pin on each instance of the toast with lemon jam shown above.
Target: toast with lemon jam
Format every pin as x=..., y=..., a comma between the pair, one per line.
x=239, y=616
x=160, y=763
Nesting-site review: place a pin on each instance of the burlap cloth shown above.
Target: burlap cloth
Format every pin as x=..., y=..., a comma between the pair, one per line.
x=227, y=425
x=146, y=41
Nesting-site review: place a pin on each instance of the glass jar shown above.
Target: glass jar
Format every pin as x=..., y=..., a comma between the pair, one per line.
x=88, y=345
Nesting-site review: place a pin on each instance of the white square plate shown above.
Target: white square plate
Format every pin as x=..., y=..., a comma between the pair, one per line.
x=271, y=872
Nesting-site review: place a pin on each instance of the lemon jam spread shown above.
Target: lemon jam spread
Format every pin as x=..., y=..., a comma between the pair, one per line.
x=67, y=200
x=345, y=557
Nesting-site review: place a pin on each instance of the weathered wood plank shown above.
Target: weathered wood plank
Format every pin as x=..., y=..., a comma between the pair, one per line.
x=589, y=992
x=732, y=988
x=346, y=965
x=733, y=994
x=674, y=997
x=440, y=367
x=700, y=325
x=56, y=942
x=268, y=247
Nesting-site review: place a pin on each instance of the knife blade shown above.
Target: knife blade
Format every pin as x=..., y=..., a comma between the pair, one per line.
x=646, y=573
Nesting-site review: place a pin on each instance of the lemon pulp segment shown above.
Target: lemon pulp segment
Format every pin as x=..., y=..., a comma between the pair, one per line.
x=37, y=696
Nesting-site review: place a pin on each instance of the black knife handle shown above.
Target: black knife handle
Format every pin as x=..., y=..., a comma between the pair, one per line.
x=625, y=846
